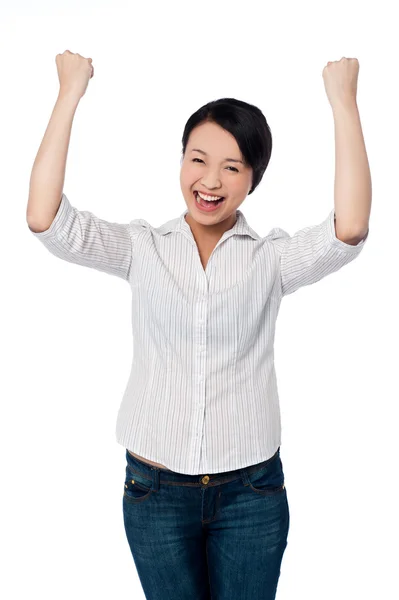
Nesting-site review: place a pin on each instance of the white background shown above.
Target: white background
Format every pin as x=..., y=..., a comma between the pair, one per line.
x=65, y=330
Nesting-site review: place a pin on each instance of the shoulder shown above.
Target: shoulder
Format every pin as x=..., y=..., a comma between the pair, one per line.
x=277, y=233
x=277, y=238
x=138, y=226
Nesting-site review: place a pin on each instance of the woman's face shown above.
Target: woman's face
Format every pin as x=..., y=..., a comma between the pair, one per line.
x=209, y=171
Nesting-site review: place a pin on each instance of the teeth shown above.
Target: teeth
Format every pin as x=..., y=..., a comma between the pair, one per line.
x=209, y=198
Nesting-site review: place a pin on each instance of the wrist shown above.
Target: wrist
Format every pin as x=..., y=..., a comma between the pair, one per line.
x=68, y=96
x=345, y=107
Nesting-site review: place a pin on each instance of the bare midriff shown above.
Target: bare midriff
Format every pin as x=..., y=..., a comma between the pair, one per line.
x=149, y=462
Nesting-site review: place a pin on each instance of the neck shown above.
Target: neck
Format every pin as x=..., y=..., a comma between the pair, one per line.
x=210, y=233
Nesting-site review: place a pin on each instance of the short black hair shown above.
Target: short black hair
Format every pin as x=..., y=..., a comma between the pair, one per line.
x=246, y=123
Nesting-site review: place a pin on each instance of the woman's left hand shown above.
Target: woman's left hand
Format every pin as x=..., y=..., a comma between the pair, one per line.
x=340, y=81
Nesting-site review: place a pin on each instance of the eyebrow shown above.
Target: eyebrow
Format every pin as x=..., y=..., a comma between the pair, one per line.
x=226, y=159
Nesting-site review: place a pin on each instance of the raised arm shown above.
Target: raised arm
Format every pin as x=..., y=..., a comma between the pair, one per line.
x=352, y=186
x=77, y=236
x=48, y=172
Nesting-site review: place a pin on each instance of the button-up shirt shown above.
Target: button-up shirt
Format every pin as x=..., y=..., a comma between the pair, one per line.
x=202, y=393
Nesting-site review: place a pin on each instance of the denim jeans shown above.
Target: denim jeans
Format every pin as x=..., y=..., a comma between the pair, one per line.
x=207, y=537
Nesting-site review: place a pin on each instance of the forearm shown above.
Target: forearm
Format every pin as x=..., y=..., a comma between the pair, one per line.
x=48, y=172
x=352, y=186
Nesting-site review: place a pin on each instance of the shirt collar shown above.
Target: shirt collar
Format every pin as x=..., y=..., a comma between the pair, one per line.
x=180, y=225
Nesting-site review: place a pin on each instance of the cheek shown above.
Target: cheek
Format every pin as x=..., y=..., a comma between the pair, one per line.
x=187, y=178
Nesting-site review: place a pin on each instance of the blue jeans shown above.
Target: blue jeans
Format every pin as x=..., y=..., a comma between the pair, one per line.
x=207, y=537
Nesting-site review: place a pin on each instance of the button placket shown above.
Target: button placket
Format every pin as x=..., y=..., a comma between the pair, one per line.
x=201, y=359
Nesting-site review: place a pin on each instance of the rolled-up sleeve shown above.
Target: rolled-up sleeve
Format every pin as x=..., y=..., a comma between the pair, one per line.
x=78, y=236
x=313, y=253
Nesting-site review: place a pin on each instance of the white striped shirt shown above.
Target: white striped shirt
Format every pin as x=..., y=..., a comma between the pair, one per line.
x=202, y=394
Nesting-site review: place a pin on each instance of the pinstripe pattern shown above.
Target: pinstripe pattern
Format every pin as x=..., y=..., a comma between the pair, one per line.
x=202, y=392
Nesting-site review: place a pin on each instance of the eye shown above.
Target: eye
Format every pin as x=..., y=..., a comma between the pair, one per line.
x=229, y=167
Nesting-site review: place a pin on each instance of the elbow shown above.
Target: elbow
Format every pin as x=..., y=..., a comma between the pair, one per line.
x=35, y=226
x=353, y=237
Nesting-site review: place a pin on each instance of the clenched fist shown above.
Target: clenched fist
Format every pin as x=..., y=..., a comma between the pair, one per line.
x=74, y=72
x=340, y=81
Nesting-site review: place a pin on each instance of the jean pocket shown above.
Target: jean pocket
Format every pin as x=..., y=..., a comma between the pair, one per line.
x=269, y=480
x=136, y=487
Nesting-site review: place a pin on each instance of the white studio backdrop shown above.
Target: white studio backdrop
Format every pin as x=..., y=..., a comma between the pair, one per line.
x=65, y=332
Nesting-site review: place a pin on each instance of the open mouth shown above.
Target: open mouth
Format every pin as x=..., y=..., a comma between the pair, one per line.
x=207, y=205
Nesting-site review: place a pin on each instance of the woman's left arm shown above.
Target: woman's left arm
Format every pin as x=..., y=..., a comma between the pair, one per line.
x=352, y=186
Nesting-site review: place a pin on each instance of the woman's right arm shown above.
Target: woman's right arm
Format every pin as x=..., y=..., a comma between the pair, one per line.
x=77, y=236
x=48, y=172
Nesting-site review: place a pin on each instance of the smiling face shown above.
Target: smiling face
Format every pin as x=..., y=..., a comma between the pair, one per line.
x=213, y=164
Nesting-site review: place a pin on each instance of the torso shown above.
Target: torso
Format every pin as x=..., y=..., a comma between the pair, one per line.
x=204, y=254
x=149, y=462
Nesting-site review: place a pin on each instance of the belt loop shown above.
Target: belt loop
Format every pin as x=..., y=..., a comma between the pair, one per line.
x=244, y=476
x=155, y=478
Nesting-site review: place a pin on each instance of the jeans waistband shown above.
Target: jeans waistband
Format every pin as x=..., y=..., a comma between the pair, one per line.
x=157, y=475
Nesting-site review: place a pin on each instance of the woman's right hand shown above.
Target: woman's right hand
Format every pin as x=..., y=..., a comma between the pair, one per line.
x=74, y=72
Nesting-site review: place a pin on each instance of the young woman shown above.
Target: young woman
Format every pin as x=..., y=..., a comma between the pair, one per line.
x=205, y=504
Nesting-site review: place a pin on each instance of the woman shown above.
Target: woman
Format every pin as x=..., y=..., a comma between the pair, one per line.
x=205, y=505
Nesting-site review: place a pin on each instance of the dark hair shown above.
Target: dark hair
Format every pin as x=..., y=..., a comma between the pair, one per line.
x=246, y=123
